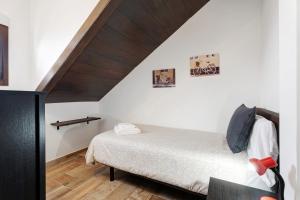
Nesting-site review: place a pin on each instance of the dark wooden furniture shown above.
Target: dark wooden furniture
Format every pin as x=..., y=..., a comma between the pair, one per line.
x=224, y=190
x=3, y=55
x=116, y=37
x=111, y=173
x=22, y=160
x=270, y=115
x=75, y=121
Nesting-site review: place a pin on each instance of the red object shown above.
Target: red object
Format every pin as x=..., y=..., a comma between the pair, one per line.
x=267, y=198
x=262, y=165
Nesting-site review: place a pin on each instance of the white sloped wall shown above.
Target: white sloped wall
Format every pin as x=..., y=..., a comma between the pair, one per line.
x=231, y=28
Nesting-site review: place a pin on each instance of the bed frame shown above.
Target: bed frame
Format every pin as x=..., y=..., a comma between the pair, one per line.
x=270, y=115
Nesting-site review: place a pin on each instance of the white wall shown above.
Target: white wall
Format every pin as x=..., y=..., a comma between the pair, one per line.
x=231, y=28
x=15, y=14
x=279, y=59
x=298, y=120
x=269, y=72
x=70, y=138
x=54, y=24
x=40, y=31
x=289, y=91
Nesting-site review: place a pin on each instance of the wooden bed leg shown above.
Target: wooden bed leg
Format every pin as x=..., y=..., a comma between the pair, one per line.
x=112, y=173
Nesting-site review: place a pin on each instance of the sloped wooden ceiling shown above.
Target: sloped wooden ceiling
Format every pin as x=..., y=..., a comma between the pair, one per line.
x=116, y=37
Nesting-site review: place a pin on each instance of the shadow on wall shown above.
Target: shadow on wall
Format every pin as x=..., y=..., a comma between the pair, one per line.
x=107, y=123
x=293, y=181
x=75, y=137
x=4, y=20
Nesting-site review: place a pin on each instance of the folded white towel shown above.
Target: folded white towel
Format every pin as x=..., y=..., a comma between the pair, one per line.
x=126, y=125
x=126, y=129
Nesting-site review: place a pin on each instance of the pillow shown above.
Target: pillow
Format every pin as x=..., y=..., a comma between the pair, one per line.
x=239, y=129
x=262, y=144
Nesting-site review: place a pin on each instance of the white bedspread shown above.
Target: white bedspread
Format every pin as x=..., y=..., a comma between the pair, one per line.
x=179, y=157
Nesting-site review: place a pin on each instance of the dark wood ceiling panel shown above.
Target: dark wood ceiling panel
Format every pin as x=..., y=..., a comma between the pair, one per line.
x=130, y=30
x=105, y=72
x=92, y=57
x=110, y=43
x=117, y=36
x=147, y=21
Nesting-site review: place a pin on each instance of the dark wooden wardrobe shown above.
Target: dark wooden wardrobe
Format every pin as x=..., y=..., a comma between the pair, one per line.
x=22, y=151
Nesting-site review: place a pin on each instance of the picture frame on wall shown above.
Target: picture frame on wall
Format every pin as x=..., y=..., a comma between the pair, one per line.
x=163, y=78
x=205, y=65
x=3, y=55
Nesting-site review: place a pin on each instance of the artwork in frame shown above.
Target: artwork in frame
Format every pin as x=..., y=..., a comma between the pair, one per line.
x=163, y=78
x=3, y=55
x=205, y=65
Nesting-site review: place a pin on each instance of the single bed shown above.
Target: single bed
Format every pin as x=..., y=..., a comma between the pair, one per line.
x=182, y=158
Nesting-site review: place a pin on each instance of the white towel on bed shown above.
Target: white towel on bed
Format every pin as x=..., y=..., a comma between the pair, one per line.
x=126, y=129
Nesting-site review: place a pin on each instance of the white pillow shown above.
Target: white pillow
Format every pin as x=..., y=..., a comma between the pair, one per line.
x=262, y=144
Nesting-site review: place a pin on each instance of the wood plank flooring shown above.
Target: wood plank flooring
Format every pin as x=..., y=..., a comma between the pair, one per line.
x=72, y=179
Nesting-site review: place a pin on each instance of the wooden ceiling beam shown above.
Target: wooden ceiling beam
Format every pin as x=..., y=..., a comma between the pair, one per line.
x=83, y=37
x=116, y=37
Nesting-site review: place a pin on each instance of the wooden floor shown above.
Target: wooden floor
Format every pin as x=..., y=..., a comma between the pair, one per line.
x=71, y=179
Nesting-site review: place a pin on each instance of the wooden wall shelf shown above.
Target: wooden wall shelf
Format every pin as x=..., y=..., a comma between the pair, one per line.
x=75, y=121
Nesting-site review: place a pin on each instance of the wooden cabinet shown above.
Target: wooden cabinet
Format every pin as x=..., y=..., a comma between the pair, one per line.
x=22, y=151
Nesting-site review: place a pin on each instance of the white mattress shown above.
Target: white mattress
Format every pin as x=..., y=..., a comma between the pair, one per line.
x=179, y=157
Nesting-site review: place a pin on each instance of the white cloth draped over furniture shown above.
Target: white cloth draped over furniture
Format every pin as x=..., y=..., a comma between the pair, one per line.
x=263, y=143
x=183, y=158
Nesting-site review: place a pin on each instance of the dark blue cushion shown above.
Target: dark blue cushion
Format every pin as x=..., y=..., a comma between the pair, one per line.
x=239, y=129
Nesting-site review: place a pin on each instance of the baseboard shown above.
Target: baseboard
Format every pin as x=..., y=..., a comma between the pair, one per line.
x=58, y=160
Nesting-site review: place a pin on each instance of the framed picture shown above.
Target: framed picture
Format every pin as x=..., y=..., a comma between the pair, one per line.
x=3, y=55
x=163, y=78
x=205, y=65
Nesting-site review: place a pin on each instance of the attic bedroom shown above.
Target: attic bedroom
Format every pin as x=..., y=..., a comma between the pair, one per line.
x=149, y=99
